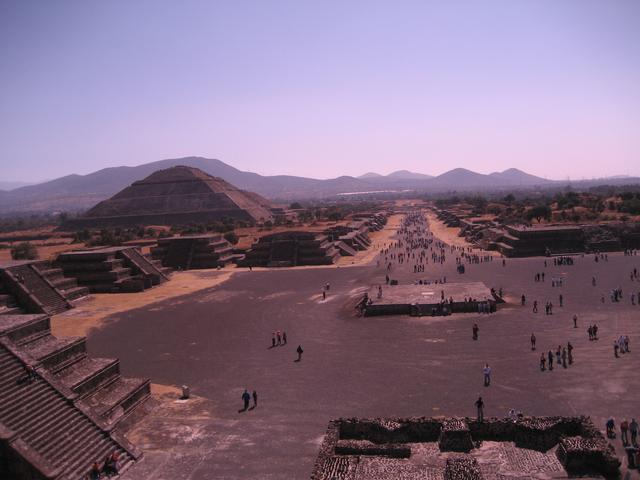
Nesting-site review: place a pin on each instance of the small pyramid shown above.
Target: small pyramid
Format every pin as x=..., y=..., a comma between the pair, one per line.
x=179, y=195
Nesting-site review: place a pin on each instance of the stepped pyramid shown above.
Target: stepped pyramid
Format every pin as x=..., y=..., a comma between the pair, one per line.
x=177, y=195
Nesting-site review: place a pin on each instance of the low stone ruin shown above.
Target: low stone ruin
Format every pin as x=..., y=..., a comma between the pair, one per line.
x=289, y=249
x=457, y=444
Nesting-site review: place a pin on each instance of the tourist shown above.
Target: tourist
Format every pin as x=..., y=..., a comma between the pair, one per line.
x=475, y=331
x=487, y=374
x=523, y=300
x=278, y=337
x=273, y=339
x=533, y=342
x=561, y=299
x=480, y=408
x=624, y=429
x=95, y=473
x=575, y=321
x=633, y=428
x=564, y=357
x=255, y=399
x=245, y=399
x=611, y=426
x=299, y=351
x=111, y=464
x=535, y=306
x=595, y=331
x=550, y=357
x=615, y=348
x=543, y=361
x=324, y=294
x=570, y=352
x=284, y=338
x=31, y=373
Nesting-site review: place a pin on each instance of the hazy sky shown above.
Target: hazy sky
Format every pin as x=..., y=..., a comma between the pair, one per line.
x=321, y=88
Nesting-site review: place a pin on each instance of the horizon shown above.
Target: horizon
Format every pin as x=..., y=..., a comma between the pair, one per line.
x=322, y=91
x=358, y=176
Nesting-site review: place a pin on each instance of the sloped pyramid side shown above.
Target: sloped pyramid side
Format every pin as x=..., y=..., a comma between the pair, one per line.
x=181, y=194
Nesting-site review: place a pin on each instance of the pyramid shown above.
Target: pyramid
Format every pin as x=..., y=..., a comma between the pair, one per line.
x=177, y=195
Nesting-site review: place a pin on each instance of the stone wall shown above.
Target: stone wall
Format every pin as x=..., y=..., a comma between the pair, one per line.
x=582, y=449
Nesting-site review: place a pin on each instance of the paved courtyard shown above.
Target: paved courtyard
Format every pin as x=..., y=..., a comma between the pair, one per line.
x=217, y=342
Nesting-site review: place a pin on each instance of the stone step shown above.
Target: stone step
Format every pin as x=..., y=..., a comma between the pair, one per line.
x=75, y=292
x=118, y=398
x=57, y=353
x=19, y=327
x=10, y=310
x=64, y=283
x=90, y=374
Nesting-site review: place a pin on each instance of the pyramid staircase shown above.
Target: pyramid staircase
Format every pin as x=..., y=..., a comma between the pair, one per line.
x=111, y=270
x=32, y=290
x=68, y=286
x=194, y=252
x=66, y=418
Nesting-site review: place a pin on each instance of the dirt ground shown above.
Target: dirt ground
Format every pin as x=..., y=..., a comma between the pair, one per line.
x=216, y=339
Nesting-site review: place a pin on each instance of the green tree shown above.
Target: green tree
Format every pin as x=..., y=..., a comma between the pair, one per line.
x=231, y=237
x=539, y=212
x=24, y=251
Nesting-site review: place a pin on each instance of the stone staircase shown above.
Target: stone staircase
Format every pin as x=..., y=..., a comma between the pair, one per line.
x=133, y=258
x=68, y=415
x=68, y=286
x=8, y=303
x=44, y=296
x=111, y=270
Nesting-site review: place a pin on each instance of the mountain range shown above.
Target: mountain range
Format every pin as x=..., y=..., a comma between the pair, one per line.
x=81, y=192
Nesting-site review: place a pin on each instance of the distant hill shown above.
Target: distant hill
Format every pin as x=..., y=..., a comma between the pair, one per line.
x=407, y=175
x=80, y=192
x=7, y=185
x=519, y=177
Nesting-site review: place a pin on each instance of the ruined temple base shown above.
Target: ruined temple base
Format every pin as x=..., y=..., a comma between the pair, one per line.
x=424, y=300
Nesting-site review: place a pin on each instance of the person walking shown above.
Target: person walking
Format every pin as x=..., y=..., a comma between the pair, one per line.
x=550, y=357
x=487, y=374
x=480, y=408
x=284, y=338
x=570, y=352
x=533, y=342
x=535, y=306
x=299, y=351
x=475, y=330
x=255, y=399
x=624, y=432
x=245, y=399
x=575, y=321
x=633, y=429
x=543, y=361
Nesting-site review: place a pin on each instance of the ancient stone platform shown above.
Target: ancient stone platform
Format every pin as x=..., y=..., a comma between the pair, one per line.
x=420, y=300
x=419, y=448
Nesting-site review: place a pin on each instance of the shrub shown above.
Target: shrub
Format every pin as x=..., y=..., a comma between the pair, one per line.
x=24, y=251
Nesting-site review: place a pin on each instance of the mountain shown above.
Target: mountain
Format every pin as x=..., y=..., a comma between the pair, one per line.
x=8, y=185
x=461, y=178
x=407, y=175
x=80, y=192
x=75, y=193
x=518, y=177
x=370, y=175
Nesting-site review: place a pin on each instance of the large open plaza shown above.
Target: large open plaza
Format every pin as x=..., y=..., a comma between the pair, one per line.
x=218, y=342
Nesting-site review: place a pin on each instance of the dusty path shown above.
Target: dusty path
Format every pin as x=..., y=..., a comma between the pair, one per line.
x=93, y=311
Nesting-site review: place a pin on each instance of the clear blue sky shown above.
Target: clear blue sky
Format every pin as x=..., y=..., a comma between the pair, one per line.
x=321, y=88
